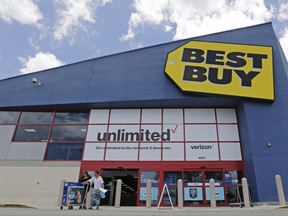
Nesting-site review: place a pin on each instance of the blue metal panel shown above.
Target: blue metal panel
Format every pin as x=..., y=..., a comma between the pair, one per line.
x=70, y=83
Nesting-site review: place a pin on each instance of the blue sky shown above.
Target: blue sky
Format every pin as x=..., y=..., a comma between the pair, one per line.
x=41, y=34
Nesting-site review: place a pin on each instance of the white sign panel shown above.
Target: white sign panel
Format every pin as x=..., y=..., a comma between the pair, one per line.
x=173, y=151
x=99, y=116
x=124, y=133
x=94, y=152
x=202, y=151
x=200, y=116
x=201, y=132
x=151, y=116
x=228, y=133
x=96, y=133
x=152, y=133
x=226, y=116
x=162, y=135
x=122, y=151
x=125, y=116
x=174, y=132
x=150, y=152
x=230, y=151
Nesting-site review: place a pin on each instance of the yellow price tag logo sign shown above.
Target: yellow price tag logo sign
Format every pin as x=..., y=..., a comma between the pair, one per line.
x=222, y=68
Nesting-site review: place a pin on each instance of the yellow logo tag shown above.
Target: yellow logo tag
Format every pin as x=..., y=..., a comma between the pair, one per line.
x=221, y=68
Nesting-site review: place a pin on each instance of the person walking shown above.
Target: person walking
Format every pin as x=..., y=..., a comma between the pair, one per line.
x=85, y=176
x=87, y=198
x=97, y=182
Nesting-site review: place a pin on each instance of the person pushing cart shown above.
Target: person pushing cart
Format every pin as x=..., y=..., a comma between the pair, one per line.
x=97, y=183
x=87, y=197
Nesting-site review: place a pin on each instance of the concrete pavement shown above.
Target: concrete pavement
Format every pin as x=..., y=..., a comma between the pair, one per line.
x=143, y=211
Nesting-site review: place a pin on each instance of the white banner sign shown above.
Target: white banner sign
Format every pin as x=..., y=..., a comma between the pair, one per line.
x=162, y=135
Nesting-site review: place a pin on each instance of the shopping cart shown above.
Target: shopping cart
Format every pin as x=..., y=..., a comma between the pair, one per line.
x=73, y=194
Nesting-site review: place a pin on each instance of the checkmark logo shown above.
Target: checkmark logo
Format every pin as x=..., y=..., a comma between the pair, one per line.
x=174, y=129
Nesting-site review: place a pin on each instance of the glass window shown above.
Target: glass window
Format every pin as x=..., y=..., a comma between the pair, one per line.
x=216, y=175
x=231, y=195
x=36, y=118
x=219, y=195
x=154, y=195
x=193, y=178
x=152, y=175
x=193, y=196
x=68, y=133
x=64, y=151
x=170, y=178
x=193, y=192
x=8, y=117
x=233, y=177
x=173, y=195
x=32, y=133
x=71, y=118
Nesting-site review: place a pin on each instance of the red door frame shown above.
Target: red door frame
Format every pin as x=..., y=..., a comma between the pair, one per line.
x=204, y=186
x=162, y=166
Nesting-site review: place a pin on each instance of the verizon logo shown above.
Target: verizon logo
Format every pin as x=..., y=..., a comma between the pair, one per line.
x=201, y=146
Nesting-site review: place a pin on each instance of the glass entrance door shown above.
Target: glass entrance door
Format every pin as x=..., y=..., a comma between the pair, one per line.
x=219, y=187
x=193, y=188
x=129, y=186
x=197, y=187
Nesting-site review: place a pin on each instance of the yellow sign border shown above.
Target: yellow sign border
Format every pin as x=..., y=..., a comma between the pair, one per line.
x=262, y=89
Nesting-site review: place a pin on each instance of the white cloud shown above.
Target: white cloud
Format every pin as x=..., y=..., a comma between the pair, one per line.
x=24, y=11
x=194, y=18
x=73, y=14
x=135, y=45
x=284, y=42
x=39, y=62
x=283, y=12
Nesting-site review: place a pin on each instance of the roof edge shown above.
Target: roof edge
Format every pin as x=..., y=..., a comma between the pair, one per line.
x=138, y=49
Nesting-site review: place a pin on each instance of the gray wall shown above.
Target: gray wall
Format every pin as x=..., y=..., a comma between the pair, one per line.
x=6, y=133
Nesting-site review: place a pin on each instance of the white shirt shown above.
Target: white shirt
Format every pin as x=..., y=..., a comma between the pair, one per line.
x=96, y=182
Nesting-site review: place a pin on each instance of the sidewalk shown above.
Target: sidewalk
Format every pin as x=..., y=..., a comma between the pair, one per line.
x=142, y=211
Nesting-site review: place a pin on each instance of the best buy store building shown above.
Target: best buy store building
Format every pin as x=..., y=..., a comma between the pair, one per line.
x=214, y=106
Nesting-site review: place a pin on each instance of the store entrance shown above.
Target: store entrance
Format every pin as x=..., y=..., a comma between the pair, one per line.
x=129, y=191
x=197, y=187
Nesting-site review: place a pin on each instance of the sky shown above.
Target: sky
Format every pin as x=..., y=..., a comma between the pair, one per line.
x=41, y=34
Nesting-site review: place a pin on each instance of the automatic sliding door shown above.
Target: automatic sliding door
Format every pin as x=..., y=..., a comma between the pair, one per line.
x=193, y=188
x=219, y=187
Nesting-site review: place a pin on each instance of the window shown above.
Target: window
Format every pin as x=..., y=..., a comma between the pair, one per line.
x=31, y=133
x=193, y=192
x=68, y=133
x=154, y=177
x=216, y=175
x=193, y=178
x=71, y=118
x=36, y=118
x=68, y=129
x=171, y=178
x=8, y=117
x=64, y=151
x=233, y=177
x=231, y=194
x=33, y=126
x=65, y=132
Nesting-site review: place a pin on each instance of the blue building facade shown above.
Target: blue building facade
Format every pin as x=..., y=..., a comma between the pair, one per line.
x=136, y=80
